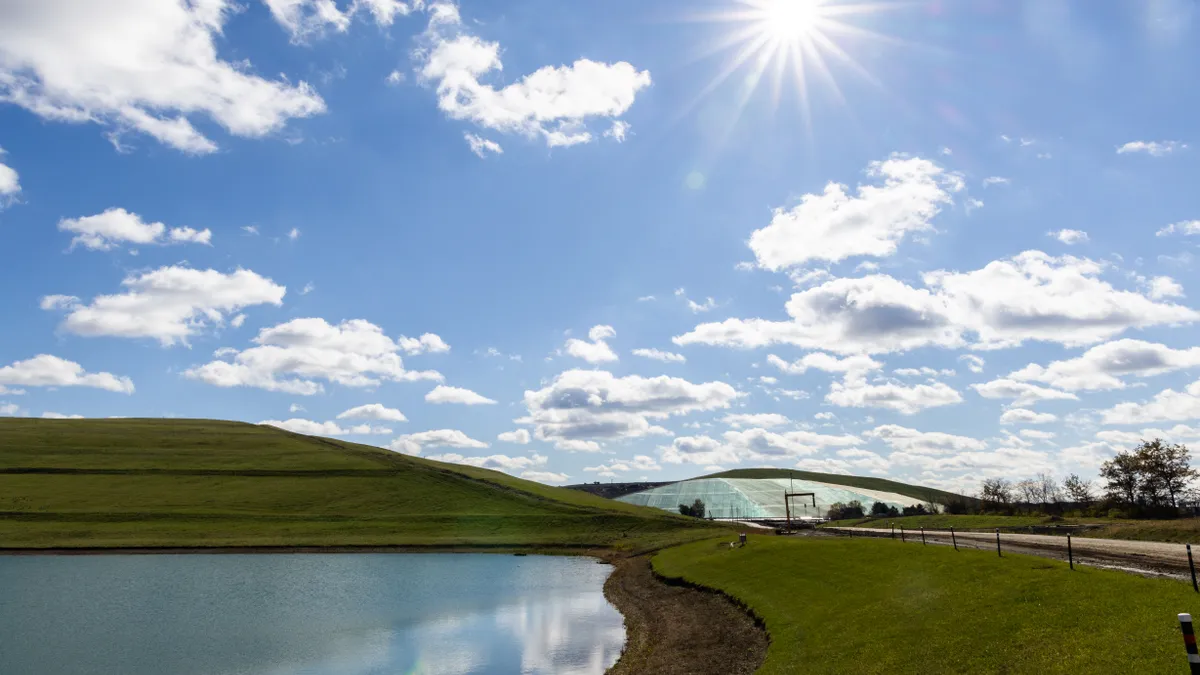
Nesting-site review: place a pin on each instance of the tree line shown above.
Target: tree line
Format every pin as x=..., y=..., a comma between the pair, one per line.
x=1152, y=480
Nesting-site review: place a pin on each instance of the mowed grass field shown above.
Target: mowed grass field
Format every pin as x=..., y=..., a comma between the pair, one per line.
x=1179, y=531
x=879, y=606
x=154, y=483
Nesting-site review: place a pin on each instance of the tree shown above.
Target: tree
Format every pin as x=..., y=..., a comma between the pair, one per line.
x=840, y=511
x=879, y=509
x=996, y=491
x=1078, y=490
x=1122, y=477
x=1027, y=491
x=1048, y=491
x=696, y=510
x=1166, y=470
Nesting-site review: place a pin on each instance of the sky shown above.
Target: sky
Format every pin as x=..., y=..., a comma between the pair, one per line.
x=932, y=240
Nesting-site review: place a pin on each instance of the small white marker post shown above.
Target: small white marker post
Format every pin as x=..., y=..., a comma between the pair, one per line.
x=1189, y=641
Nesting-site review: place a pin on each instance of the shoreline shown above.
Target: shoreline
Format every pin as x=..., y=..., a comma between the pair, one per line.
x=582, y=549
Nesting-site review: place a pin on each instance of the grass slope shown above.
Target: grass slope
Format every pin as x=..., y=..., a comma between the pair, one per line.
x=879, y=606
x=109, y=483
x=1180, y=531
x=915, y=491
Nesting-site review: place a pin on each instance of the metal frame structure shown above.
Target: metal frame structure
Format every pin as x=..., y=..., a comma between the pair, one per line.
x=787, y=503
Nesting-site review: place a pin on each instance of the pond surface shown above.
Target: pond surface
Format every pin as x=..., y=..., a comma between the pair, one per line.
x=281, y=614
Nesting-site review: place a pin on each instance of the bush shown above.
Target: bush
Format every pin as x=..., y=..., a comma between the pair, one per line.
x=879, y=509
x=957, y=507
x=696, y=510
x=840, y=511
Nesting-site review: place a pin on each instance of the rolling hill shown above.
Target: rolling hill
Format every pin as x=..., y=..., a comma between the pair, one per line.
x=201, y=483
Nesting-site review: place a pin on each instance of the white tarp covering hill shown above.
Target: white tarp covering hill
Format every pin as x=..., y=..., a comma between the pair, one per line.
x=760, y=497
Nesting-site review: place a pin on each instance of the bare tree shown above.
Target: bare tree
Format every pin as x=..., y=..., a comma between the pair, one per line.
x=1078, y=490
x=996, y=491
x=1028, y=491
x=1048, y=491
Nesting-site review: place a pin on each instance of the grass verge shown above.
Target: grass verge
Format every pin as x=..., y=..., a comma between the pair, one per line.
x=878, y=606
x=1179, y=531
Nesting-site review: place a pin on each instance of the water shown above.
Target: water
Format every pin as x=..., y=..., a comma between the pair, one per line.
x=292, y=614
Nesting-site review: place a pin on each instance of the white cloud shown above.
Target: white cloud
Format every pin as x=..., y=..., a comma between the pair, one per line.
x=169, y=304
x=1022, y=393
x=293, y=356
x=1026, y=416
x=1032, y=296
x=699, y=450
x=821, y=361
x=924, y=371
x=59, y=416
x=1164, y=287
x=445, y=394
x=139, y=65
x=1069, y=237
x=1186, y=227
x=974, y=363
x=855, y=392
x=825, y=416
x=520, y=437
x=593, y=404
x=548, y=477
x=108, y=230
x=482, y=146
x=613, y=467
x=250, y=230
x=1152, y=148
x=666, y=357
x=596, y=351
x=45, y=370
x=552, y=102
x=413, y=444
x=995, y=180
x=426, y=344
x=750, y=445
x=293, y=234
x=1037, y=434
x=10, y=409
x=311, y=428
x=295, y=408
x=911, y=441
x=835, y=225
x=1166, y=406
x=1103, y=366
x=306, y=19
x=618, y=131
x=372, y=411
x=764, y=420
x=10, y=184
x=497, y=462
x=395, y=78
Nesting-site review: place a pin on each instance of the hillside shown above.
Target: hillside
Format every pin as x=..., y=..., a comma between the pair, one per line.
x=925, y=494
x=155, y=482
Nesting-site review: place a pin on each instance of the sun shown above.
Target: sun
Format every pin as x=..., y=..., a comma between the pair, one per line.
x=791, y=19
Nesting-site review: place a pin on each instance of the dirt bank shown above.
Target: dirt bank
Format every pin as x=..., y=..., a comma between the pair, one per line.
x=678, y=630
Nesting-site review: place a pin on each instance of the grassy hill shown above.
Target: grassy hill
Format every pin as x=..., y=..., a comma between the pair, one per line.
x=925, y=494
x=154, y=482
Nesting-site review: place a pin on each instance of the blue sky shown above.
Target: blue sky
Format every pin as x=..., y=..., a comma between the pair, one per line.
x=802, y=215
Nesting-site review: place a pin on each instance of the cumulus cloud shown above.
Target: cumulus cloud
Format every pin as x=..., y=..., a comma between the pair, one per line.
x=1102, y=367
x=169, y=304
x=108, y=230
x=48, y=415
x=1152, y=148
x=548, y=477
x=139, y=65
x=1070, y=237
x=924, y=371
x=764, y=420
x=822, y=361
x=855, y=392
x=554, y=102
x=835, y=225
x=482, y=146
x=995, y=180
x=1031, y=296
x=1167, y=405
x=45, y=370
x=520, y=437
x=611, y=468
x=1186, y=227
x=311, y=428
x=1026, y=416
x=587, y=406
x=665, y=357
x=498, y=462
x=911, y=441
x=10, y=184
x=413, y=444
x=444, y=394
x=372, y=411
x=426, y=344
x=1023, y=394
x=596, y=351
x=291, y=357
x=750, y=445
x=974, y=363
x=307, y=19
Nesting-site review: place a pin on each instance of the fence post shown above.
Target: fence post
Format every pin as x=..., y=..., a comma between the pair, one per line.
x=1192, y=566
x=923, y=536
x=1070, y=555
x=1189, y=642
x=902, y=533
x=953, y=540
x=893, y=530
x=998, y=543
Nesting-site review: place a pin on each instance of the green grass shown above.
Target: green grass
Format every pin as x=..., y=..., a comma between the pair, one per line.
x=128, y=483
x=946, y=521
x=879, y=606
x=1180, y=531
x=924, y=494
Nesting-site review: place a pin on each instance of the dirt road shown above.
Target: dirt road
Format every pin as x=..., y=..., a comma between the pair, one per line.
x=1143, y=557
